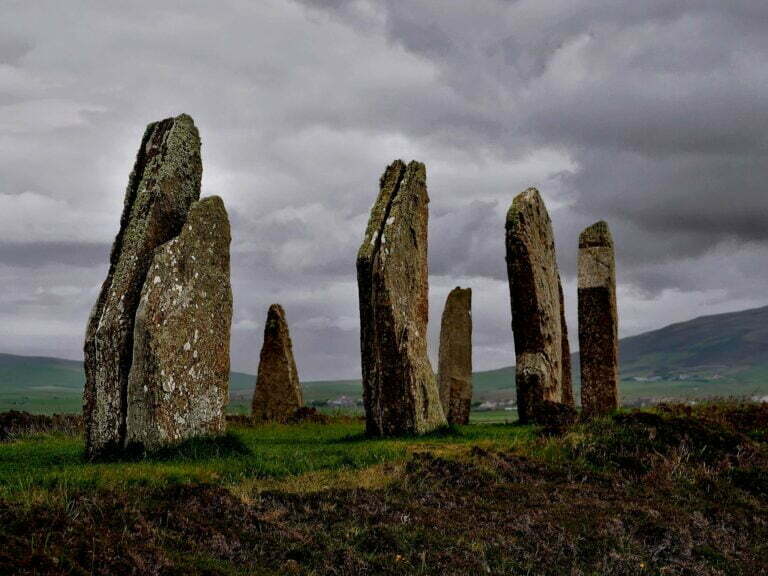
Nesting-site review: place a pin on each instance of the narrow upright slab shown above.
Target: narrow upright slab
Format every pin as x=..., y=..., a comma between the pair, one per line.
x=278, y=392
x=598, y=322
x=399, y=387
x=537, y=315
x=164, y=183
x=454, y=375
x=568, y=397
x=178, y=386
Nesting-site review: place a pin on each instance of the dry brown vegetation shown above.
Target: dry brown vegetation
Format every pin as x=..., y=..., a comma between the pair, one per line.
x=676, y=491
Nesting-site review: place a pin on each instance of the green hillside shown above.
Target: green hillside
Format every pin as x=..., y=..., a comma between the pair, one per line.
x=719, y=355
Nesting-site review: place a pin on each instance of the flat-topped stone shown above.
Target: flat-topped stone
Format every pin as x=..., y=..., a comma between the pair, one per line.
x=598, y=321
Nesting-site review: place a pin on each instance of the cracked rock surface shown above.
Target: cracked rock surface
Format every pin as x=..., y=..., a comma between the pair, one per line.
x=179, y=382
x=538, y=321
x=164, y=183
x=399, y=387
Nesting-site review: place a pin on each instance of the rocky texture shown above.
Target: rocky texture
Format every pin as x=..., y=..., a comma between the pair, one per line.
x=164, y=183
x=179, y=380
x=278, y=394
x=567, y=381
x=536, y=299
x=598, y=322
x=454, y=374
x=399, y=387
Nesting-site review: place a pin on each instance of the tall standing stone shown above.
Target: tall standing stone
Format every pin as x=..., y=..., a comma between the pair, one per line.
x=164, y=183
x=454, y=374
x=598, y=322
x=399, y=387
x=278, y=391
x=178, y=386
x=567, y=384
x=537, y=315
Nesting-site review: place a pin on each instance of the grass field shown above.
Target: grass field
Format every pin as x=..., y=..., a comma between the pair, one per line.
x=40, y=465
x=677, y=490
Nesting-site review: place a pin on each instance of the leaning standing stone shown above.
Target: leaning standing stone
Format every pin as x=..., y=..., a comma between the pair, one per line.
x=598, y=322
x=399, y=387
x=179, y=382
x=454, y=375
x=537, y=317
x=164, y=183
x=278, y=392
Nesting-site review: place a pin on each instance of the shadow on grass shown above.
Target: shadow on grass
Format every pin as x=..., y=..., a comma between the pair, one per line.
x=201, y=448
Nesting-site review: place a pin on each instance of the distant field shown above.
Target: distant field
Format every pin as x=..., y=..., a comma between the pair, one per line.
x=28, y=386
x=713, y=356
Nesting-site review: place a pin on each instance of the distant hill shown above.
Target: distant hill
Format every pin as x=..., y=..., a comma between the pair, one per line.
x=717, y=344
x=719, y=355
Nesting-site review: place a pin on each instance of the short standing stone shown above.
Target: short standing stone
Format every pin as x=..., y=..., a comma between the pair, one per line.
x=598, y=322
x=537, y=316
x=179, y=381
x=164, y=183
x=454, y=375
x=278, y=392
x=399, y=387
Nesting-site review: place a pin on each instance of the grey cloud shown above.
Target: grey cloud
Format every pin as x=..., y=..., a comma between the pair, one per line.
x=36, y=254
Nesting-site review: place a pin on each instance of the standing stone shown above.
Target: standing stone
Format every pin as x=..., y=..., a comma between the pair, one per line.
x=454, y=375
x=537, y=315
x=399, y=387
x=568, y=398
x=164, y=183
x=178, y=386
x=278, y=393
x=598, y=322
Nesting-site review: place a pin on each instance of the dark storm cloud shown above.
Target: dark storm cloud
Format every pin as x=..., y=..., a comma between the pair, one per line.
x=651, y=115
x=661, y=105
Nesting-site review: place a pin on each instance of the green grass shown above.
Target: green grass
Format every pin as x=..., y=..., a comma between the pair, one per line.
x=54, y=463
x=668, y=490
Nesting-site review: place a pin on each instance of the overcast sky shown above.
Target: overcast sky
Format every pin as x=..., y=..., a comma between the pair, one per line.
x=651, y=115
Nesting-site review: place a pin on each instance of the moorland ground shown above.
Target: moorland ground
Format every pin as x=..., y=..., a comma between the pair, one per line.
x=677, y=490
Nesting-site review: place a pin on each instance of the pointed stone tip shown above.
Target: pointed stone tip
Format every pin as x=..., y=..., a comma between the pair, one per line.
x=598, y=234
x=528, y=197
x=276, y=310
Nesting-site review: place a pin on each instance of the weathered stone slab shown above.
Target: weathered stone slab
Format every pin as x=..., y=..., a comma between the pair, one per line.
x=164, y=183
x=178, y=386
x=454, y=375
x=598, y=322
x=567, y=381
x=535, y=291
x=278, y=392
x=399, y=387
